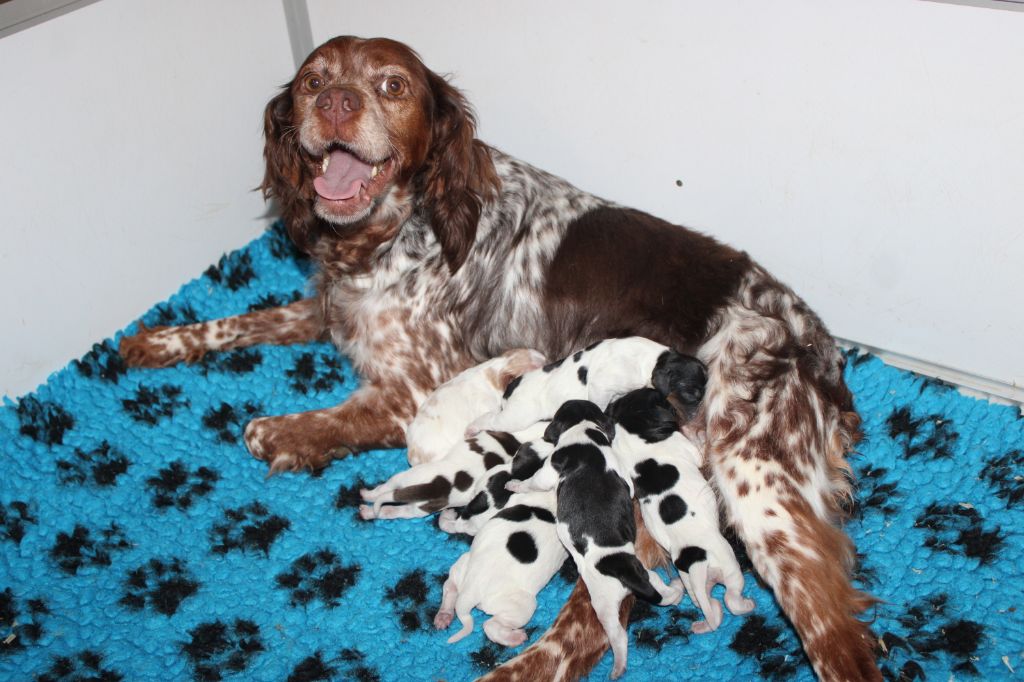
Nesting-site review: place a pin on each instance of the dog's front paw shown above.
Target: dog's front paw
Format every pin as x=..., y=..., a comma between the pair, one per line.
x=443, y=619
x=160, y=347
x=287, y=443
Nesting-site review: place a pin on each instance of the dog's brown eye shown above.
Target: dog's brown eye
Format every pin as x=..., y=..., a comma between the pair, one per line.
x=313, y=82
x=393, y=86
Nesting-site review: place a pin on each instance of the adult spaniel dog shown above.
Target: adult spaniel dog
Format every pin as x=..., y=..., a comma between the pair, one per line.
x=436, y=251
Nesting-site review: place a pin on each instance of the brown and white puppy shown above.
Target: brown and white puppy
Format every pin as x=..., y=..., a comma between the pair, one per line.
x=450, y=252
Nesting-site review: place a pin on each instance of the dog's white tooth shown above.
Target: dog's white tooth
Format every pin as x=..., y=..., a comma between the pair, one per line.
x=373, y=173
x=326, y=162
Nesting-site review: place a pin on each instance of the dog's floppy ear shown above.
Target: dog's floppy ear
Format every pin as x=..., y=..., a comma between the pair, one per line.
x=285, y=176
x=459, y=176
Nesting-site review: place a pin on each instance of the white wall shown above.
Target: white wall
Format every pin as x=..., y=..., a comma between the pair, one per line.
x=869, y=152
x=130, y=140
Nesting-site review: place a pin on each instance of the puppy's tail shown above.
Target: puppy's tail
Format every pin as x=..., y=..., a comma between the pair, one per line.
x=576, y=641
x=465, y=615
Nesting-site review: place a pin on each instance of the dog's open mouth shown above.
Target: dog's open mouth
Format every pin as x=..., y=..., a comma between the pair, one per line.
x=347, y=183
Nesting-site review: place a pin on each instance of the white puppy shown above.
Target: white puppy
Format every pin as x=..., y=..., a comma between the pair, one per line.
x=512, y=558
x=441, y=420
x=678, y=506
x=600, y=373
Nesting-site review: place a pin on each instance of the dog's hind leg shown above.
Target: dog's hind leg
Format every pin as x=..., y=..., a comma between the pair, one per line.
x=779, y=422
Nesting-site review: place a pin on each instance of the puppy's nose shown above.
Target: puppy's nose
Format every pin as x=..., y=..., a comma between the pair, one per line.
x=339, y=103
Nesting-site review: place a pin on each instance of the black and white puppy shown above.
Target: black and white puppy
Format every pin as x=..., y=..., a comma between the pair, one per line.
x=600, y=373
x=678, y=505
x=594, y=508
x=490, y=495
x=449, y=482
x=512, y=558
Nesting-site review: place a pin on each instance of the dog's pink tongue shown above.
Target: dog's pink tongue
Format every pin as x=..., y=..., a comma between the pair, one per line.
x=344, y=178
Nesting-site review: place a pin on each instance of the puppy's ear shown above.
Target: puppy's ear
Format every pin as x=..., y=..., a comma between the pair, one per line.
x=607, y=425
x=680, y=375
x=520, y=361
x=555, y=430
x=460, y=175
x=526, y=462
x=285, y=176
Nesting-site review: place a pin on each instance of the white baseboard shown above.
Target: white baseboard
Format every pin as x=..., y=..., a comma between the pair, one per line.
x=967, y=383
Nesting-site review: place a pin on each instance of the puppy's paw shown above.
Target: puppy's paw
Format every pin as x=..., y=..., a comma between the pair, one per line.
x=366, y=512
x=443, y=619
x=738, y=605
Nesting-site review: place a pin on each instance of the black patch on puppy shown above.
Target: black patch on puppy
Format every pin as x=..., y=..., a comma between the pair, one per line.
x=688, y=556
x=524, y=512
x=521, y=546
x=511, y=388
x=526, y=463
x=652, y=478
x=584, y=480
x=507, y=441
x=646, y=414
x=439, y=488
x=628, y=570
x=573, y=412
x=478, y=505
x=491, y=460
x=598, y=437
x=581, y=374
x=463, y=480
x=672, y=509
x=577, y=355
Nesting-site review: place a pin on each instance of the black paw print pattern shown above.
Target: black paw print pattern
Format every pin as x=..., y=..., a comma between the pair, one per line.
x=653, y=630
x=490, y=656
x=347, y=665
x=81, y=547
x=930, y=631
x=318, y=575
x=316, y=372
x=217, y=648
x=178, y=486
x=233, y=270
x=86, y=666
x=775, y=649
x=170, y=315
x=162, y=585
x=43, y=421
x=248, y=528
x=932, y=434
x=348, y=498
x=103, y=362
x=100, y=466
x=281, y=245
x=151, y=405
x=409, y=599
x=1005, y=475
x=876, y=491
x=274, y=301
x=20, y=623
x=227, y=422
x=237, y=361
x=960, y=529
x=13, y=517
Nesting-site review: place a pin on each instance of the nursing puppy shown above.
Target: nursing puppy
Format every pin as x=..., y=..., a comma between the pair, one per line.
x=449, y=482
x=441, y=421
x=490, y=495
x=594, y=508
x=678, y=506
x=512, y=558
x=599, y=374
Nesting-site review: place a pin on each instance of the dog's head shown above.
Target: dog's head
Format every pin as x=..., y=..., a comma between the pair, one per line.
x=681, y=380
x=364, y=135
x=645, y=413
x=575, y=412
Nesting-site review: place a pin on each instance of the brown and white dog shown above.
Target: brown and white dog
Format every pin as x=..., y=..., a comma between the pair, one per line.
x=436, y=252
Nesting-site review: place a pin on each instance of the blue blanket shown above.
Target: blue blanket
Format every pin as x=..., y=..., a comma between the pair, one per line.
x=139, y=540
